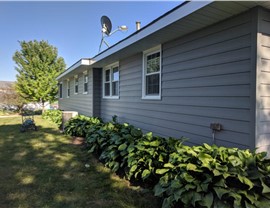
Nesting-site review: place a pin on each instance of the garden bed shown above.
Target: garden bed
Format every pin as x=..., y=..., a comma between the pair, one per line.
x=183, y=176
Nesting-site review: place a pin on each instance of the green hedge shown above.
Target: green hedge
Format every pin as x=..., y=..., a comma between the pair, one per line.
x=198, y=176
x=54, y=116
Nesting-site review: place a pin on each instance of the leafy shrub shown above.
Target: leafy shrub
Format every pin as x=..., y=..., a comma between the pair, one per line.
x=198, y=176
x=54, y=116
x=112, y=141
x=211, y=176
x=148, y=154
x=79, y=125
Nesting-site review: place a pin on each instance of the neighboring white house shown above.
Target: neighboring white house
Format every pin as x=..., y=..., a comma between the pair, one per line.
x=198, y=64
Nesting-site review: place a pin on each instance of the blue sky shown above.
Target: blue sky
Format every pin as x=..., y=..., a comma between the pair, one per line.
x=73, y=27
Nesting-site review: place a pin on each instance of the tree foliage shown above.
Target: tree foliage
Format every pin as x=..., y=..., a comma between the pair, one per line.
x=38, y=65
x=11, y=98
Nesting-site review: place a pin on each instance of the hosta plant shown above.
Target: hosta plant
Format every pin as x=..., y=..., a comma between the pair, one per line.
x=112, y=141
x=148, y=154
x=184, y=176
x=211, y=176
x=79, y=125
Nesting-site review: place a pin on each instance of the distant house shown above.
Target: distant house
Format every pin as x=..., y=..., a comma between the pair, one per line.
x=200, y=63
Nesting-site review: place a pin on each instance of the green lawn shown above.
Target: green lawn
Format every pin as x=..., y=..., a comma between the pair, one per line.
x=42, y=169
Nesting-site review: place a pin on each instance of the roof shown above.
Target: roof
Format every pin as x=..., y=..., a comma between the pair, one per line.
x=188, y=17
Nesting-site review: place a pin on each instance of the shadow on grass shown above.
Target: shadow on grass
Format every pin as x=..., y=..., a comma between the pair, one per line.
x=43, y=169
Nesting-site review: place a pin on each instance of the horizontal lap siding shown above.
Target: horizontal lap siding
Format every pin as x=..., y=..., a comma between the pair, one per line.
x=205, y=78
x=263, y=91
x=82, y=103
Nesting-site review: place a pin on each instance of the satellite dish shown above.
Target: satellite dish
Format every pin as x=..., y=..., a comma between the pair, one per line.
x=106, y=25
x=106, y=30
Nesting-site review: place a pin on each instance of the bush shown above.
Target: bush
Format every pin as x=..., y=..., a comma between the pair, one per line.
x=211, y=176
x=54, y=116
x=112, y=141
x=79, y=125
x=198, y=176
x=148, y=154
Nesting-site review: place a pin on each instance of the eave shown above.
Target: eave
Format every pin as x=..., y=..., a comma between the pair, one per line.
x=79, y=66
x=180, y=21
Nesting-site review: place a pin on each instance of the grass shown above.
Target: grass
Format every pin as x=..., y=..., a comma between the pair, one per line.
x=43, y=169
x=6, y=112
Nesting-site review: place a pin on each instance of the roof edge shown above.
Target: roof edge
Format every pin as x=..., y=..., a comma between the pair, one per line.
x=81, y=62
x=184, y=9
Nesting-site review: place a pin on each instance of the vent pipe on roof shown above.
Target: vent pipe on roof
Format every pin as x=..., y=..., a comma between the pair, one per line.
x=138, y=25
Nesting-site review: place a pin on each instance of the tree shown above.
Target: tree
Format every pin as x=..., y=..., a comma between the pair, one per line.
x=11, y=98
x=38, y=65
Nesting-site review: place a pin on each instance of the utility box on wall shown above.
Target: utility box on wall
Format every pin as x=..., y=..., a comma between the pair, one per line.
x=66, y=115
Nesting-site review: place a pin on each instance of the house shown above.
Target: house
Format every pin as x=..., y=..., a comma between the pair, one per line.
x=198, y=64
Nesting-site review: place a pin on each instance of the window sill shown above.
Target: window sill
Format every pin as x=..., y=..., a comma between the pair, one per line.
x=85, y=93
x=76, y=93
x=149, y=97
x=111, y=97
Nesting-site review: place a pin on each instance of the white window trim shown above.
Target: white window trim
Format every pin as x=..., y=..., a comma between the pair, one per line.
x=84, y=74
x=68, y=87
x=145, y=54
x=76, y=93
x=61, y=83
x=111, y=66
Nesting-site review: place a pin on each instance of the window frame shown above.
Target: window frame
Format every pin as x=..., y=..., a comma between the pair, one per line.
x=68, y=88
x=85, y=74
x=60, y=90
x=147, y=53
x=110, y=68
x=76, y=77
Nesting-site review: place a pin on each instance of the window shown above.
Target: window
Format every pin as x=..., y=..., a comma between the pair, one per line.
x=85, y=82
x=60, y=90
x=111, y=82
x=115, y=81
x=107, y=90
x=76, y=84
x=151, y=88
x=68, y=88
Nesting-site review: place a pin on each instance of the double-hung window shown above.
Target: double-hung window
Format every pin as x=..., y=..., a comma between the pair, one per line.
x=60, y=90
x=111, y=81
x=151, y=86
x=85, y=82
x=76, y=84
x=68, y=88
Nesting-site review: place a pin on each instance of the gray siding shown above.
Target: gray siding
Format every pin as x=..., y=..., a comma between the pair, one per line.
x=97, y=93
x=82, y=103
x=263, y=82
x=205, y=78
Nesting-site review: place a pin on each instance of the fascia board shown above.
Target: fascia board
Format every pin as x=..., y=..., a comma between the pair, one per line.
x=177, y=14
